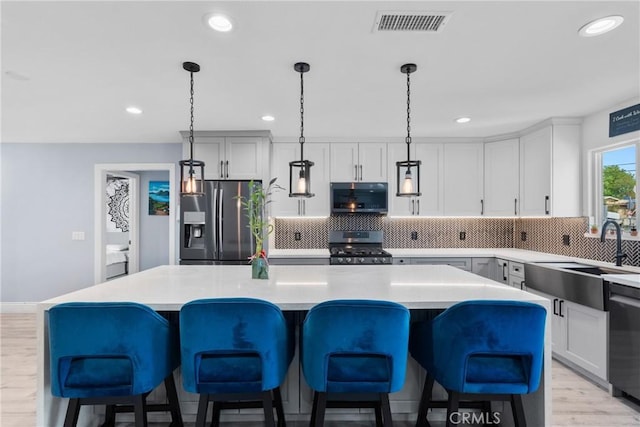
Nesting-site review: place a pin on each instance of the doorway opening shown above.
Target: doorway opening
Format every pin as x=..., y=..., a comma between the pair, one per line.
x=141, y=201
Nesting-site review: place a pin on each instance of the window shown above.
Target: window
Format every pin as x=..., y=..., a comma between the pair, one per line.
x=618, y=181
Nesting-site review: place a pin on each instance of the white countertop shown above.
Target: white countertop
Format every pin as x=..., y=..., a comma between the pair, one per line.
x=518, y=255
x=632, y=280
x=299, y=288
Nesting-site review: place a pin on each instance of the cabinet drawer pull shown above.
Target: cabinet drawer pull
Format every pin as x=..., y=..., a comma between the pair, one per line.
x=555, y=306
x=546, y=205
x=560, y=308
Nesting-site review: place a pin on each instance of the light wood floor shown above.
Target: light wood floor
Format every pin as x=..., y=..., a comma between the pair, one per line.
x=576, y=401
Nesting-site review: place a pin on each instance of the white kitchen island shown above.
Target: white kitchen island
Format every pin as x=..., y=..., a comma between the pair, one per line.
x=421, y=288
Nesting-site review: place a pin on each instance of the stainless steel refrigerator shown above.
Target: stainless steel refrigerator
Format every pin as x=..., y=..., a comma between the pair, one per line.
x=214, y=226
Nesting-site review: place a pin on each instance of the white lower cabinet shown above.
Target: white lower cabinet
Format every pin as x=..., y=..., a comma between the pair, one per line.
x=461, y=263
x=579, y=334
x=484, y=267
x=501, y=272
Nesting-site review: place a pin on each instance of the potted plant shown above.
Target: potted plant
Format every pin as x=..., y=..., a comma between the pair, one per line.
x=634, y=231
x=255, y=204
x=594, y=229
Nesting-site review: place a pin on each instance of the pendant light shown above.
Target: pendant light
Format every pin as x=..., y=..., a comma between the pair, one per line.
x=408, y=172
x=300, y=170
x=191, y=171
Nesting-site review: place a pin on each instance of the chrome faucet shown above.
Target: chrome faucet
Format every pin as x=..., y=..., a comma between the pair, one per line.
x=619, y=254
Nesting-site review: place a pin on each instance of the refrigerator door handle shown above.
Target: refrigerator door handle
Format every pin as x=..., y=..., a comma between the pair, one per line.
x=214, y=204
x=220, y=237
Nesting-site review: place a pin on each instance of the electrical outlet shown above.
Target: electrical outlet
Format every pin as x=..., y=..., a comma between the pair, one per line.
x=523, y=236
x=414, y=235
x=566, y=240
x=463, y=235
x=297, y=235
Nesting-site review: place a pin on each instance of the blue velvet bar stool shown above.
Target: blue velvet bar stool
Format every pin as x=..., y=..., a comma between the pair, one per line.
x=112, y=353
x=354, y=353
x=235, y=353
x=480, y=351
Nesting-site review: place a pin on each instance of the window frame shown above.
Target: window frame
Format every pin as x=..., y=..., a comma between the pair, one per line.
x=596, y=214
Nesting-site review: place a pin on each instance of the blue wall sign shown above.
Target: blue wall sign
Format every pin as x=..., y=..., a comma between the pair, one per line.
x=624, y=121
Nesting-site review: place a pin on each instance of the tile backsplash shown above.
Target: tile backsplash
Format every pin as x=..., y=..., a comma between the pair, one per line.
x=542, y=234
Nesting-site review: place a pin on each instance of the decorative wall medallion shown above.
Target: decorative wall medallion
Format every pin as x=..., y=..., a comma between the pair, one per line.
x=117, y=205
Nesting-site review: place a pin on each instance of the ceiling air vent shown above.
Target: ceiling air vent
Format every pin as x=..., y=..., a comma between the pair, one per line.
x=429, y=22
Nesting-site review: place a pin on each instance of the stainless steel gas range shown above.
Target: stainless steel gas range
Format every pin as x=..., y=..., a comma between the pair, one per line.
x=357, y=247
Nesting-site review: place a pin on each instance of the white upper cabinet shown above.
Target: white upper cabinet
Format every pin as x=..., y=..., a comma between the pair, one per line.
x=463, y=179
x=282, y=204
x=550, y=171
x=230, y=157
x=358, y=162
x=501, y=178
x=430, y=203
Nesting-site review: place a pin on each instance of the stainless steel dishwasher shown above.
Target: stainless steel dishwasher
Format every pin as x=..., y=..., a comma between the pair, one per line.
x=624, y=339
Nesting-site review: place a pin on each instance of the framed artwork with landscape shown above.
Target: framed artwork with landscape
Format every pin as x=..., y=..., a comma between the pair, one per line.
x=158, y=197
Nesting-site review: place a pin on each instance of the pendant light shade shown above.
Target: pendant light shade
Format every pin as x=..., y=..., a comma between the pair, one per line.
x=408, y=171
x=191, y=171
x=300, y=170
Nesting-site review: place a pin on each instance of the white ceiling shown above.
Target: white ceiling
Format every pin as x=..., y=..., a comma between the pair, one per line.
x=69, y=69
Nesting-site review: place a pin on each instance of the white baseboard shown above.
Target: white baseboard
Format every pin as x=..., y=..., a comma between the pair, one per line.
x=18, y=307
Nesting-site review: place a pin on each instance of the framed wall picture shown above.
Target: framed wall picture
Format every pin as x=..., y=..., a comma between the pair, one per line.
x=158, y=197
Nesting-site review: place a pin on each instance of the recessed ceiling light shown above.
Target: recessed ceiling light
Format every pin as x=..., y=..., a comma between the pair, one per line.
x=600, y=26
x=134, y=110
x=219, y=22
x=268, y=118
x=463, y=120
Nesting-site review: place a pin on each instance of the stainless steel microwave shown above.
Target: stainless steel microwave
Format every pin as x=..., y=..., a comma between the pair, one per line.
x=359, y=197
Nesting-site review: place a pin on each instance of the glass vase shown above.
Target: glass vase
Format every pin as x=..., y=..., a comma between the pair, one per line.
x=259, y=268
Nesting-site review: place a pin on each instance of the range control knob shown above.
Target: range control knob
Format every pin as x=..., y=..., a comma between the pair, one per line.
x=348, y=260
x=383, y=260
x=374, y=260
x=361, y=260
x=340, y=260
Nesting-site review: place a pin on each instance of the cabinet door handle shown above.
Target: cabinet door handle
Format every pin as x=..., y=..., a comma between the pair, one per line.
x=560, y=308
x=504, y=274
x=413, y=206
x=356, y=175
x=515, y=206
x=226, y=169
x=221, y=169
x=418, y=204
x=360, y=172
x=299, y=208
x=546, y=205
x=522, y=286
x=555, y=306
x=304, y=207
x=481, y=206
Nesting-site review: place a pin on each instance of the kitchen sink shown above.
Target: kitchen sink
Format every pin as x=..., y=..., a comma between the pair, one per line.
x=573, y=281
x=594, y=270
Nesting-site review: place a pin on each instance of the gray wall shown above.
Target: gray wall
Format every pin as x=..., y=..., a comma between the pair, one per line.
x=47, y=192
x=154, y=229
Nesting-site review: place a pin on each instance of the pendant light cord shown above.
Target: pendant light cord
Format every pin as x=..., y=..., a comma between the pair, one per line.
x=301, y=116
x=408, y=138
x=191, y=129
